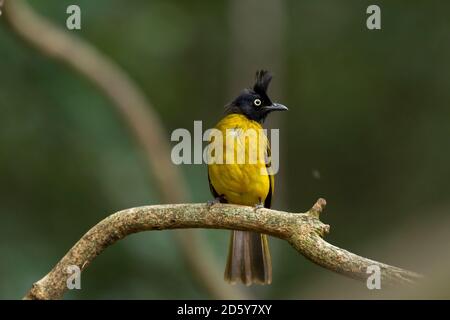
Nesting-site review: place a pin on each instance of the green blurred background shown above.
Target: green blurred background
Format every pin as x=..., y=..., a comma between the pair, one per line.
x=368, y=129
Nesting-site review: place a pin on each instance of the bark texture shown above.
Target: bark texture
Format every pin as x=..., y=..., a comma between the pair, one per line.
x=304, y=231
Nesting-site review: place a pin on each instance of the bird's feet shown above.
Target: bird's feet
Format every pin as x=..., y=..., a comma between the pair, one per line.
x=216, y=200
x=258, y=206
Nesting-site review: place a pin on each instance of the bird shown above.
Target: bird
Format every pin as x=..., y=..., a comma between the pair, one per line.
x=246, y=182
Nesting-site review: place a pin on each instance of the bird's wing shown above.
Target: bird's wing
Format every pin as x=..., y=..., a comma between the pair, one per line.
x=268, y=200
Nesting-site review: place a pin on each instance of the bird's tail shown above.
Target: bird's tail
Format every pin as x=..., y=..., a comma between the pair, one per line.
x=248, y=259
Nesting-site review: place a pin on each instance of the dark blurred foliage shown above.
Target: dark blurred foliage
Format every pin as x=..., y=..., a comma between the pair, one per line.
x=368, y=129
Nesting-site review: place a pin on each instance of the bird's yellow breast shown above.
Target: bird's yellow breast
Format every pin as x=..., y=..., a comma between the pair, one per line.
x=242, y=177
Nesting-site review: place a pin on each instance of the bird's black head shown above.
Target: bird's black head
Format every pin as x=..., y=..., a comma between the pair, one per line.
x=254, y=103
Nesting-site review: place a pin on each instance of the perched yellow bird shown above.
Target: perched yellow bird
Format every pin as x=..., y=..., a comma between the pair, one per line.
x=244, y=177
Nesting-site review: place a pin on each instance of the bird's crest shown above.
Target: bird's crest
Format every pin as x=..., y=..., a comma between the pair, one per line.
x=262, y=81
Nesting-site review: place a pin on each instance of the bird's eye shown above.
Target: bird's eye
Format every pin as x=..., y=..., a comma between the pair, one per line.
x=257, y=102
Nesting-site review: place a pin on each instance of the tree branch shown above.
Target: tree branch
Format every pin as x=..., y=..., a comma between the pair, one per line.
x=304, y=231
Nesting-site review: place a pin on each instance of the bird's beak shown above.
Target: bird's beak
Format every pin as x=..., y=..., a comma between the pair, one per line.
x=276, y=107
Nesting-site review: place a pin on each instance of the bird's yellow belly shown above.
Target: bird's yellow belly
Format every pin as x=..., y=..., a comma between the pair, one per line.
x=240, y=184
